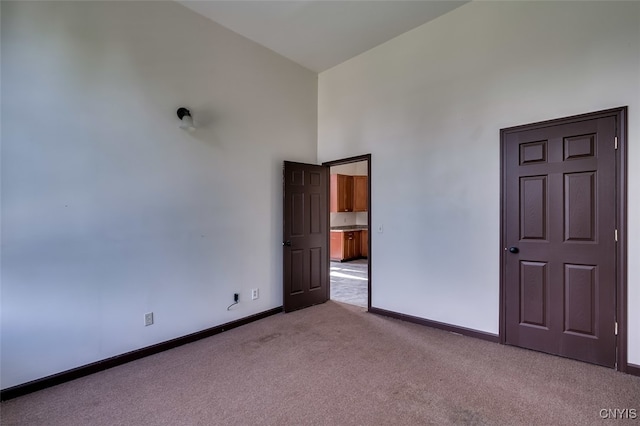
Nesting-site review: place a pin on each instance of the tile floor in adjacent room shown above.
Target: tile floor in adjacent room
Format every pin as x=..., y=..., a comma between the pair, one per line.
x=349, y=282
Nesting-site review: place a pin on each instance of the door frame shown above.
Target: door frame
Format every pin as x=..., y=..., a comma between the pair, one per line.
x=356, y=159
x=621, y=218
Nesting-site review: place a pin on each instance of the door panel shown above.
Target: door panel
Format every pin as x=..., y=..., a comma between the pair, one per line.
x=580, y=299
x=533, y=208
x=559, y=218
x=579, y=206
x=306, y=236
x=534, y=292
x=316, y=264
x=295, y=273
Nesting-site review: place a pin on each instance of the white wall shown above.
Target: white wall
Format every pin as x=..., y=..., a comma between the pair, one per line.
x=343, y=169
x=342, y=219
x=359, y=168
x=348, y=218
x=362, y=218
x=108, y=209
x=429, y=104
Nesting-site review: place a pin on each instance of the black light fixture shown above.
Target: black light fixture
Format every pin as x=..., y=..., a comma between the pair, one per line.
x=186, y=121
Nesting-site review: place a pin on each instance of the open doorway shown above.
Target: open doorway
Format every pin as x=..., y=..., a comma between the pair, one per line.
x=349, y=219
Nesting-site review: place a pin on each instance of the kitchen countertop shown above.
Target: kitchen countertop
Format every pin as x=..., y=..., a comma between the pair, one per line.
x=348, y=228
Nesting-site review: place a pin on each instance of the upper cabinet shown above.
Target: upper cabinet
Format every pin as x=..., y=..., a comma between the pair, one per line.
x=360, y=188
x=341, y=193
x=348, y=193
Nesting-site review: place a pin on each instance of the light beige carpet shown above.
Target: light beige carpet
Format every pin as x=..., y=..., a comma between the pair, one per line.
x=335, y=364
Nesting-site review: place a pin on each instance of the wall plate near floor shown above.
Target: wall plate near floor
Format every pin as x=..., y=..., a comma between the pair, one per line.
x=148, y=319
x=254, y=294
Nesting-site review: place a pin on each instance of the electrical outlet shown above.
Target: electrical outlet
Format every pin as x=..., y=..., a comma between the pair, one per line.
x=254, y=294
x=380, y=229
x=236, y=297
x=148, y=319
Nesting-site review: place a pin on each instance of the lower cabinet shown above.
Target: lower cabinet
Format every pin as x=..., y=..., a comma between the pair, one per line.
x=345, y=245
x=351, y=244
x=335, y=245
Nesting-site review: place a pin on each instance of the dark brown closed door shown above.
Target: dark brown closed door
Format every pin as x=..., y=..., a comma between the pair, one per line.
x=560, y=239
x=306, y=235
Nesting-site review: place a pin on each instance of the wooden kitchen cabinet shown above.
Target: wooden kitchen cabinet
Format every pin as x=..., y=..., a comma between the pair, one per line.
x=364, y=243
x=335, y=245
x=344, y=245
x=352, y=244
x=341, y=193
x=360, y=190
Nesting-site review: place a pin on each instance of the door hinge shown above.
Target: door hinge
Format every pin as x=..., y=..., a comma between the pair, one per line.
x=616, y=328
x=616, y=142
x=615, y=235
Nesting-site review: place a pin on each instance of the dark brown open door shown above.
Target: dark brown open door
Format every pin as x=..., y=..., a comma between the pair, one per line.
x=559, y=235
x=306, y=235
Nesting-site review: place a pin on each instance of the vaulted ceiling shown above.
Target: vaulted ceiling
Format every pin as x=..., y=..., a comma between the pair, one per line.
x=319, y=34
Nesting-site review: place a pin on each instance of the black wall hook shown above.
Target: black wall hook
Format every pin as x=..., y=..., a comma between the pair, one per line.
x=182, y=112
